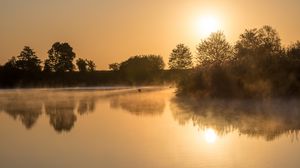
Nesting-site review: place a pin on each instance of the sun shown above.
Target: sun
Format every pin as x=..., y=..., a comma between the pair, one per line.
x=207, y=25
x=210, y=136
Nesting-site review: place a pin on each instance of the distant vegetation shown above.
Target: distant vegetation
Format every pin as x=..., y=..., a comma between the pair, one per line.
x=140, y=69
x=59, y=70
x=60, y=59
x=26, y=70
x=257, y=65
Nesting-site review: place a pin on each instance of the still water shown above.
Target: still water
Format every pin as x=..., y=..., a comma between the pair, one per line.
x=120, y=128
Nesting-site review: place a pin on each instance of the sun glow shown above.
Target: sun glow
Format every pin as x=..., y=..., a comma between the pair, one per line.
x=210, y=136
x=208, y=25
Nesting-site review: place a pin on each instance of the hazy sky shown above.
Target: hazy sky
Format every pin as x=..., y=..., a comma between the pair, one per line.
x=109, y=31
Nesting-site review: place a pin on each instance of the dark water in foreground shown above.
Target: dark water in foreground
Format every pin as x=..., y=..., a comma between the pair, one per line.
x=126, y=128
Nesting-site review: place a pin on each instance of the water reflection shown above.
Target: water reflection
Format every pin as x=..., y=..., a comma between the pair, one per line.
x=210, y=135
x=86, y=105
x=268, y=119
x=61, y=113
x=20, y=108
x=62, y=106
x=140, y=103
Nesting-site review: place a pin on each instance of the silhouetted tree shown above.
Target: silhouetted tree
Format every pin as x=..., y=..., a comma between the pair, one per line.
x=114, y=66
x=293, y=51
x=28, y=61
x=263, y=41
x=48, y=67
x=181, y=58
x=60, y=58
x=85, y=65
x=260, y=68
x=91, y=66
x=10, y=64
x=214, y=49
x=142, y=68
x=81, y=65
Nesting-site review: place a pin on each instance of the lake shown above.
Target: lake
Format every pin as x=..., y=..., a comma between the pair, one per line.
x=127, y=128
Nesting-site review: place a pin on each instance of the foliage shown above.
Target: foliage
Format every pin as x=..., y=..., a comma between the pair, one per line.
x=114, y=66
x=257, y=66
x=11, y=64
x=260, y=69
x=181, y=58
x=142, y=68
x=28, y=61
x=293, y=51
x=60, y=58
x=85, y=65
x=25, y=69
x=258, y=42
x=91, y=66
x=214, y=49
x=81, y=65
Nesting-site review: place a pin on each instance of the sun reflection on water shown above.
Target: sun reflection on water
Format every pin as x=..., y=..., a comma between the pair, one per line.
x=210, y=136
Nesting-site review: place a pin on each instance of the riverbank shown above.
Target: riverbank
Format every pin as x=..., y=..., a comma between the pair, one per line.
x=17, y=79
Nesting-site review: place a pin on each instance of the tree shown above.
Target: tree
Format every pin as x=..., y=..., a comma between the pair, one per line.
x=214, y=49
x=181, y=58
x=85, y=65
x=263, y=41
x=10, y=64
x=142, y=67
x=81, y=65
x=114, y=66
x=28, y=61
x=48, y=66
x=60, y=58
x=91, y=66
x=143, y=62
x=293, y=51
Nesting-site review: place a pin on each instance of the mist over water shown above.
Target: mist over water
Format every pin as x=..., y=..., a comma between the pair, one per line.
x=128, y=127
x=268, y=119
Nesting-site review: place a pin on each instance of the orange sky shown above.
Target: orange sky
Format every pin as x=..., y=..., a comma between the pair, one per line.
x=109, y=31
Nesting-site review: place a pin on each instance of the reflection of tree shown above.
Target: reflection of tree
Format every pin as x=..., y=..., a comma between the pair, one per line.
x=18, y=107
x=140, y=103
x=256, y=118
x=61, y=113
x=86, y=105
x=60, y=107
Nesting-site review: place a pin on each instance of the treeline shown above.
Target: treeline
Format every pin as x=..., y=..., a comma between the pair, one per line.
x=60, y=59
x=146, y=69
x=58, y=70
x=26, y=70
x=256, y=66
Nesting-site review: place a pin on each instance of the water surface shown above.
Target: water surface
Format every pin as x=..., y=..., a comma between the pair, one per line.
x=122, y=128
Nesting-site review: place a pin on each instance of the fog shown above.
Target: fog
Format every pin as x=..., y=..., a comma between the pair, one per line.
x=267, y=118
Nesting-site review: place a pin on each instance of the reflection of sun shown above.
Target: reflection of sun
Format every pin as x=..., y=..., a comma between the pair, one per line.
x=210, y=135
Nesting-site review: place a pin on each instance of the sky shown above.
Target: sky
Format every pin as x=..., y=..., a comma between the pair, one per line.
x=109, y=31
